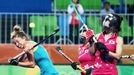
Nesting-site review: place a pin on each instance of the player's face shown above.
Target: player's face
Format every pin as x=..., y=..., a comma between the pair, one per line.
x=106, y=29
x=106, y=24
x=19, y=42
x=83, y=33
x=83, y=36
x=107, y=6
x=75, y=1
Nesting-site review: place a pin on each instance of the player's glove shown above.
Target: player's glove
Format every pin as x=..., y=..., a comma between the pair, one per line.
x=13, y=62
x=106, y=57
x=104, y=52
x=89, y=36
x=101, y=47
x=89, y=71
x=74, y=65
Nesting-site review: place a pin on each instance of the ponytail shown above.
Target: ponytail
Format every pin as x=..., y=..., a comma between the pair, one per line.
x=17, y=31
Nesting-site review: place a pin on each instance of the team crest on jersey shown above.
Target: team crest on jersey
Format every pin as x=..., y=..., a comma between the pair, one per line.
x=97, y=65
x=83, y=52
x=86, y=66
x=111, y=42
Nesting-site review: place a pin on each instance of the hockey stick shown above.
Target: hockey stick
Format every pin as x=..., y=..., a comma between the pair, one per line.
x=84, y=25
x=70, y=60
x=125, y=56
x=17, y=56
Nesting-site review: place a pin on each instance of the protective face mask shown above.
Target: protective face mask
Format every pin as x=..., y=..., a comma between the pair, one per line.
x=106, y=30
x=82, y=39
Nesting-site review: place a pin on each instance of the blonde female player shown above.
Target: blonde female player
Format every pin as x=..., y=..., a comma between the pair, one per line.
x=37, y=56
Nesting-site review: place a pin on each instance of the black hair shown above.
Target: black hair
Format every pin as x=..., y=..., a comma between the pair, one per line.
x=106, y=3
x=77, y=1
x=116, y=23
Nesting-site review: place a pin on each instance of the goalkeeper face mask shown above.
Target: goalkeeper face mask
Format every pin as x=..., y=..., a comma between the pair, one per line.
x=82, y=39
x=112, y=23
x=83, y=34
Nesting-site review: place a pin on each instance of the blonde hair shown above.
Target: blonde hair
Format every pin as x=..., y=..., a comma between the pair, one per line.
x=17, y=31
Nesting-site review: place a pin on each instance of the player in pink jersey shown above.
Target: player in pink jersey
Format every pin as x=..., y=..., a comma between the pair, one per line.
x=86, y=52
x=108, y=47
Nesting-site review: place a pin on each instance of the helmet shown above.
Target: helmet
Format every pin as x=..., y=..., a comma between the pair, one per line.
x=88, y=33
x=112, y=22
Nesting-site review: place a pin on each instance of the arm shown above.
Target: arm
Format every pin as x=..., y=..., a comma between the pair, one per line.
x=22, y=58
x=30, y=56
x=93, y=46
x=92, y=49
x=118, y=52
x=30, y=62
x=80, y=9
x=70, y=9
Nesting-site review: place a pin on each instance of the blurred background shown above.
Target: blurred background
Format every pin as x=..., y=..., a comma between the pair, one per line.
x=39, y=18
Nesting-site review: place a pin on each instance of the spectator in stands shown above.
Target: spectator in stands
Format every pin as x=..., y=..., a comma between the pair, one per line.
x=74, y=22
x=37, y=55
x=131, y=17
x=106, y=10
x=131, y=11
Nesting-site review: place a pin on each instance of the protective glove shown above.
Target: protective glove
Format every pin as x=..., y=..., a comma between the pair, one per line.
x=106, y=57
x=89, y=36
x=89, y=71
x=101, y=47
x=104, y=52
x=13, y=62
x=74, y=65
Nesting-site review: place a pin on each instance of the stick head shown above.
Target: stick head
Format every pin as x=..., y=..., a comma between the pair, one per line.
x=58, y=48
x=89, y=71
